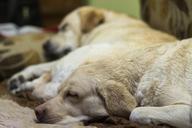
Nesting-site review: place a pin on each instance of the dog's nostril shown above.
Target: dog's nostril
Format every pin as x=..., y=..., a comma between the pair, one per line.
x=47, y=45
x=40, y=113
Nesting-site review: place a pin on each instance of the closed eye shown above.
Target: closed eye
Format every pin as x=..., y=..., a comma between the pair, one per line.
x=63, y=28
x=72, y=94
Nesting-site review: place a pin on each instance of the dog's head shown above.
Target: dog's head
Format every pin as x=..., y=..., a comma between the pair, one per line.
x=76, y=24
x=85, y=98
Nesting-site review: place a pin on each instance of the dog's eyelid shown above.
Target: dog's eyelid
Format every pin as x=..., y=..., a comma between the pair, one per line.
x=72, y=94
x=101, y=21
x=63, y=28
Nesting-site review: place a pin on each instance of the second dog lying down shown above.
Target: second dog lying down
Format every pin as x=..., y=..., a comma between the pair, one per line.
x=90, y=25
x=113, y=87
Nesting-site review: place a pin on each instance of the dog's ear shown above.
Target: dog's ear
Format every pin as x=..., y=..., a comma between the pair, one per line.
x=90, y=18
x=118, y=100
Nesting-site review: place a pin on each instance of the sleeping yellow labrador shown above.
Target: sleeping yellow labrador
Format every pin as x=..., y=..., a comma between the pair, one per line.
x=90, y=25
x=113, y=87
x=105, y=33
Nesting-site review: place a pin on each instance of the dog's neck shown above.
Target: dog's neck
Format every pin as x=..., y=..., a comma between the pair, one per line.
x=109, y=17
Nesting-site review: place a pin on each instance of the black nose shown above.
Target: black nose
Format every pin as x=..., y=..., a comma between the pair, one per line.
x=66, y=51
x=47, y=46
x=40, y=113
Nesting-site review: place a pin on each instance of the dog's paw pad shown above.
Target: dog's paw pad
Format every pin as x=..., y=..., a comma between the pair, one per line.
x=14, y=83
x=21, y=79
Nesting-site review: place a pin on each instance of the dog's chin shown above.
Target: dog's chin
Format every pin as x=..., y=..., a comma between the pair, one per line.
x=48, y=120
x=86, y=120
x=73, y=120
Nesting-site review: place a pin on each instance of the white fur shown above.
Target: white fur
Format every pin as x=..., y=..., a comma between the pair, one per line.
x=63, y=68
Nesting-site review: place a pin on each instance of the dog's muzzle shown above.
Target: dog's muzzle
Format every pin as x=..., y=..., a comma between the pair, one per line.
x=51, y=53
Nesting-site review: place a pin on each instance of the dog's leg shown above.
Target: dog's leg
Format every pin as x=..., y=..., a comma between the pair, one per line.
x=61, y=69
x=174, y=115
x=21, y=79
x=46, y=91
x=41, y=89
x=30, y=85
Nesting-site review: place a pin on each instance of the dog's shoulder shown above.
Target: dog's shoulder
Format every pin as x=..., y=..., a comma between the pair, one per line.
x=172, y=70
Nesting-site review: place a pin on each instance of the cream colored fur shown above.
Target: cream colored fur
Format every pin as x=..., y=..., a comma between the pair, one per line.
x=166, y=88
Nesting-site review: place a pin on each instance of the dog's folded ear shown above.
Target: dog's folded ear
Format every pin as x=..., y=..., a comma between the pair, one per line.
x=90, y=18
x=117, y=98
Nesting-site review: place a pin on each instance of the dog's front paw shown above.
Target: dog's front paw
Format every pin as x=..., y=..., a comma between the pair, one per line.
x=137, y=115
x=145, y=115
x=15, y=84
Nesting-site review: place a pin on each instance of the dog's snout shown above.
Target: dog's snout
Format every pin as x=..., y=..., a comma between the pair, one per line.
x=40, y=112
x=47, y=46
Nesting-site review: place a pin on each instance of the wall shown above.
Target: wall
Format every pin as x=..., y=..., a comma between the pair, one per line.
x=130, y=7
